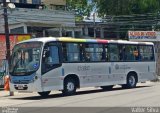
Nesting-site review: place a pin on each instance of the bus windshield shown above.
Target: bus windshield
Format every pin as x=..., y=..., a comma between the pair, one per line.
x=25, y=58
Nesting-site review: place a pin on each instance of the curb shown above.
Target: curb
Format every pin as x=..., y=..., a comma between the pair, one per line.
x=156, y=80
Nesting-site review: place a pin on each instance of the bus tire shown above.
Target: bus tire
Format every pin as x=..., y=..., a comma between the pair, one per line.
x=69, y=87
x=107, y=87
x=44, y=94
x=131, y=81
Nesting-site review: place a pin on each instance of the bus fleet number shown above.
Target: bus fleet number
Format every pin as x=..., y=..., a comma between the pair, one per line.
x=83, y=68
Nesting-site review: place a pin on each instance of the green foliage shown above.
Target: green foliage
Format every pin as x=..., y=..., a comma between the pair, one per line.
x=81, y=7
x=126, y=7
x=145, y=6
x=78, y=18
x=113, y=7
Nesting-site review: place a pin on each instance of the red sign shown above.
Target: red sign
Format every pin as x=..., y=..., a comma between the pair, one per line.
x=13, y=40
x=142, y=35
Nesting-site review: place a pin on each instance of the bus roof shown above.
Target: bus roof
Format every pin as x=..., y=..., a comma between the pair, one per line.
x=80, y=40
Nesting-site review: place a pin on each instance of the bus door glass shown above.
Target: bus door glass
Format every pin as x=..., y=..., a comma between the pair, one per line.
x=50, y=65
x=116, y=55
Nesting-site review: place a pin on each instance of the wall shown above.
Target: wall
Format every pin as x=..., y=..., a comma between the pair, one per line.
x=55, y=2
x=13, y=40
x=47, y=2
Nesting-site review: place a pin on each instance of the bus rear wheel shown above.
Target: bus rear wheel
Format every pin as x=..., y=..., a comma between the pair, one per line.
x=44, y=94
x=107, y=87
x=131, y=81
x=69, y=87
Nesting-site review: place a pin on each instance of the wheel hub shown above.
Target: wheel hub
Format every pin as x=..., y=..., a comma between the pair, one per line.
x=70, y=86
x=132, y=80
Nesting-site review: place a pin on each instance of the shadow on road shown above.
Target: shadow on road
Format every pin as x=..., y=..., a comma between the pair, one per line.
x=60, y=95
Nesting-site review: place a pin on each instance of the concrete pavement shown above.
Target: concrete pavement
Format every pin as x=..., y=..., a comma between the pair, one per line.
x=146, y=94
x=4, y=93
x=87, y=100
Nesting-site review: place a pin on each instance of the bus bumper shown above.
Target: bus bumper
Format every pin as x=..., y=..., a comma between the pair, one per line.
x=25, y=87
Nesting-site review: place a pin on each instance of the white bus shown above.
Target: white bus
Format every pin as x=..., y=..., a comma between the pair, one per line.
x=45, y=64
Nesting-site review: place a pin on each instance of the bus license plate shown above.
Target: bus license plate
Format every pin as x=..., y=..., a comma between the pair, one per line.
x=20, y=86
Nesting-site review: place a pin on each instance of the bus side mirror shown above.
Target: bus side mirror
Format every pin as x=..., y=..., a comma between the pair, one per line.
x=45, y=53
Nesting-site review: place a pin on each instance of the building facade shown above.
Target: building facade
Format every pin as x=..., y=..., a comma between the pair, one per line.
x=40, y=18
x=48, y=2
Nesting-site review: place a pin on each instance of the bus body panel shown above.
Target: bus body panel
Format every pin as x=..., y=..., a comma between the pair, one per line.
x=78, y=69
x=118, y=73
x=145, y=70
x=93, y=74
x=97, y=74
x=52, y=80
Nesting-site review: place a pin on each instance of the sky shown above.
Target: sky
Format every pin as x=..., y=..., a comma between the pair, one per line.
x=91, y=18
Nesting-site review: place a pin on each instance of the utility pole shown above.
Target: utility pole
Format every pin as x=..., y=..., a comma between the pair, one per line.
x=6, y=29
x=94, y=25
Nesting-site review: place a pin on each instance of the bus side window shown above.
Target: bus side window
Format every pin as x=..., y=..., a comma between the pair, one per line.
x=105, y=53
x=113, y=52
x=71, y=52
x=146, y=52
x=122, y=50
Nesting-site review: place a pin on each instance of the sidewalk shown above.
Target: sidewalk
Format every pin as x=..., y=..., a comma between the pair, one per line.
x=4, y=93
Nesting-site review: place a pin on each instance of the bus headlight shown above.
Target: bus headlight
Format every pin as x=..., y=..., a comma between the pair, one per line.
x=36, y=77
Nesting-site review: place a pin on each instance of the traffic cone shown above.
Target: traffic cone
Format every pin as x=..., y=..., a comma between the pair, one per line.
x=6, y=83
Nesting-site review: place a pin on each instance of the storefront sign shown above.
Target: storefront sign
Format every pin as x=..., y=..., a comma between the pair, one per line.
x=143, y=35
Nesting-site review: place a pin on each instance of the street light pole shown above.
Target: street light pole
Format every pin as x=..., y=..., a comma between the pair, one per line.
x=6, y=29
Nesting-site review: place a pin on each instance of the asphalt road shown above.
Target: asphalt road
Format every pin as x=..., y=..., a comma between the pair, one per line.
x=145, y=98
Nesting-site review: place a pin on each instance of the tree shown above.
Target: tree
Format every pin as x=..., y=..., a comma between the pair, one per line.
x=126, y=7
x=145, y=6
x=113, y=7
x=81, y=8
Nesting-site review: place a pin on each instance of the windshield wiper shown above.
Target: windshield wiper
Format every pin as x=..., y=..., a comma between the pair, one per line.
x=16, y=65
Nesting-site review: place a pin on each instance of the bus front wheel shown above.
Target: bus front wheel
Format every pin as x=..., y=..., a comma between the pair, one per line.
x=69, y=87
x=44, y=94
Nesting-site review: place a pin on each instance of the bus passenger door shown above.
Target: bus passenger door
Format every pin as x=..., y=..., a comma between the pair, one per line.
x=117, y=67
x=51, y=67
